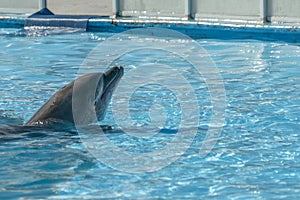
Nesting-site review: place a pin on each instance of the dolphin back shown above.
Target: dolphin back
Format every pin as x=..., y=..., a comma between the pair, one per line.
x=58, y=109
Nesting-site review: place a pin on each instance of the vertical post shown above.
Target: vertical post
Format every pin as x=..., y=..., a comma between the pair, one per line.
x=263, y=10
x=187, y=9
x=42, y=4
x=115, y=8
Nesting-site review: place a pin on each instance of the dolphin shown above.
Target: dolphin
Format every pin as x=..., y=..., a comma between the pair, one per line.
x=91, y=93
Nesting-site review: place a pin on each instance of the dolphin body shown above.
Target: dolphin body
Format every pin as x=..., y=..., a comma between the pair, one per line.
x=88, y=94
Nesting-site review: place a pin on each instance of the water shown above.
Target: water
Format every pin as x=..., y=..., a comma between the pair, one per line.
x=256, y=156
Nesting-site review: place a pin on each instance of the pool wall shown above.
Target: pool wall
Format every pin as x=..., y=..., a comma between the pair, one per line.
x=21, y=6
x=199, y=18
x=258, y=11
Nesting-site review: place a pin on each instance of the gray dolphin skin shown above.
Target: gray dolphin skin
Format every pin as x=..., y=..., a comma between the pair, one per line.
x=98, y=89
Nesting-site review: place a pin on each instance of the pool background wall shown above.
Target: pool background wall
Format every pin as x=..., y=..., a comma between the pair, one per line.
x=283, y=11
x=81, y=7
x=229, y=10
x=172, y=9
x=254, y=11
x=20, y=6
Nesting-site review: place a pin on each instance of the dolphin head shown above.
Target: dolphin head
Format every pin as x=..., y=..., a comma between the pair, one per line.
x=105, y=88
x=78, y=101
x=91, y=95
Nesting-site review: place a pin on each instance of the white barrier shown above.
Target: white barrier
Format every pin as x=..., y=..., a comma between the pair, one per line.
x=81, y=7
x=280, y=11
x=258, y=11
x=228, y=10
x=21, y=6
x=172, y=9
x=244, y=11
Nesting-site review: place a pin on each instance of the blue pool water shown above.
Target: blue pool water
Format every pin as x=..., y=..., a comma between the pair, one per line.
x=256, y=156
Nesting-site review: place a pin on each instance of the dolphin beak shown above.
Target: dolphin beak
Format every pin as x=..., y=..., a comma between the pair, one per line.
x=112, y=77
x=106, y=86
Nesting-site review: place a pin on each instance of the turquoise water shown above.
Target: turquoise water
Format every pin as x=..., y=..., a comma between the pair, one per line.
x=256, y=156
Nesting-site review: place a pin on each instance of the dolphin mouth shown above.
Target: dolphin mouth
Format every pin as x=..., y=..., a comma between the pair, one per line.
x=112, y=77
x=106, y=86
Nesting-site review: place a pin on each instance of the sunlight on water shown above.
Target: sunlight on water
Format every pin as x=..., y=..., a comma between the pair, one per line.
x=257, y=155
